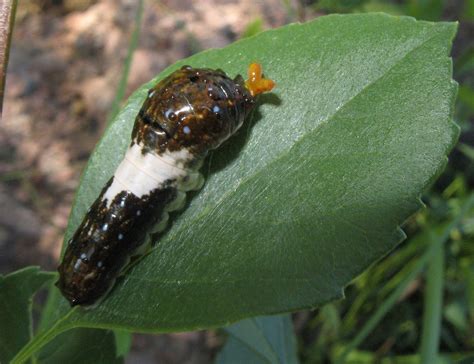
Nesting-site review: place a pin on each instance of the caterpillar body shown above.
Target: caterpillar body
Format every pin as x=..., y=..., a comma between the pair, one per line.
x=183, y=117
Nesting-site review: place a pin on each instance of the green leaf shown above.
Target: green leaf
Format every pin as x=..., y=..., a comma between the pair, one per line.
x=311, y=191
x=308, y=194
x=253, y=28
x=267, y=339
x=16, y=292
x=123, y=341
x=456, y=314
x=81, y=346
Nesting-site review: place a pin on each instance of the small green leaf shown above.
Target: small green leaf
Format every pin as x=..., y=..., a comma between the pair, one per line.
x=456, y=315
x=267, y=339
x=16, y=292
x=253, y=28
x=310, y=192
x=123, y=342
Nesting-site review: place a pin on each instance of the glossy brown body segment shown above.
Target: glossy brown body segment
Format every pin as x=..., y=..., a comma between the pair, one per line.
x=184, y=116
x=193, y=108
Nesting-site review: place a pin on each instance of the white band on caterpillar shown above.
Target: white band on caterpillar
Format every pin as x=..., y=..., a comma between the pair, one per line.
x=141, y=173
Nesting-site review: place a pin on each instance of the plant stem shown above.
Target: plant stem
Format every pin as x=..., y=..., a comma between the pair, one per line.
x=128, y=62
x=433, y=305
x=7, y=20
x=38, y=341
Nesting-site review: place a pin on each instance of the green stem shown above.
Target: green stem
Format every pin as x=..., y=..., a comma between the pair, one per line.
x=393, y=298
x=433, y=305
x=409, y=255
x=41, y=339
x=128, y=62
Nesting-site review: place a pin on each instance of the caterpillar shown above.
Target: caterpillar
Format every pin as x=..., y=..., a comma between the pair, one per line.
x=184, y=116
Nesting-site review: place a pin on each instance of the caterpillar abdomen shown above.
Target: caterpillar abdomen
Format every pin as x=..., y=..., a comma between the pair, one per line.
x=184, y=116
x=130, y=205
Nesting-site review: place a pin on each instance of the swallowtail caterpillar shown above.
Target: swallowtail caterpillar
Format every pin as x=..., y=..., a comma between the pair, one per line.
x=185, y=115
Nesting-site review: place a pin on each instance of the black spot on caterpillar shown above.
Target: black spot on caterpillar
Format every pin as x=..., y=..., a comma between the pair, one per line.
x=184, y=116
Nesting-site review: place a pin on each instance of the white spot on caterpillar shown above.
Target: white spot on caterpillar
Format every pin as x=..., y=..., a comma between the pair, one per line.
x=120, y=236
x=187, y=130
x=83, y=256
x=151, y=94
x=77, y=264
x=139, y=212
x=105, y=227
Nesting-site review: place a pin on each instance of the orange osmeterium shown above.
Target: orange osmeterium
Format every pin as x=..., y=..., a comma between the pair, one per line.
x=256, y=83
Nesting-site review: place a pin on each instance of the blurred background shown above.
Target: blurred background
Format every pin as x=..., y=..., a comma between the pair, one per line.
x=67, y=60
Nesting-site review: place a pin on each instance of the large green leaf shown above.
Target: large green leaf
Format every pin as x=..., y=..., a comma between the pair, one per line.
x=309, y=193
